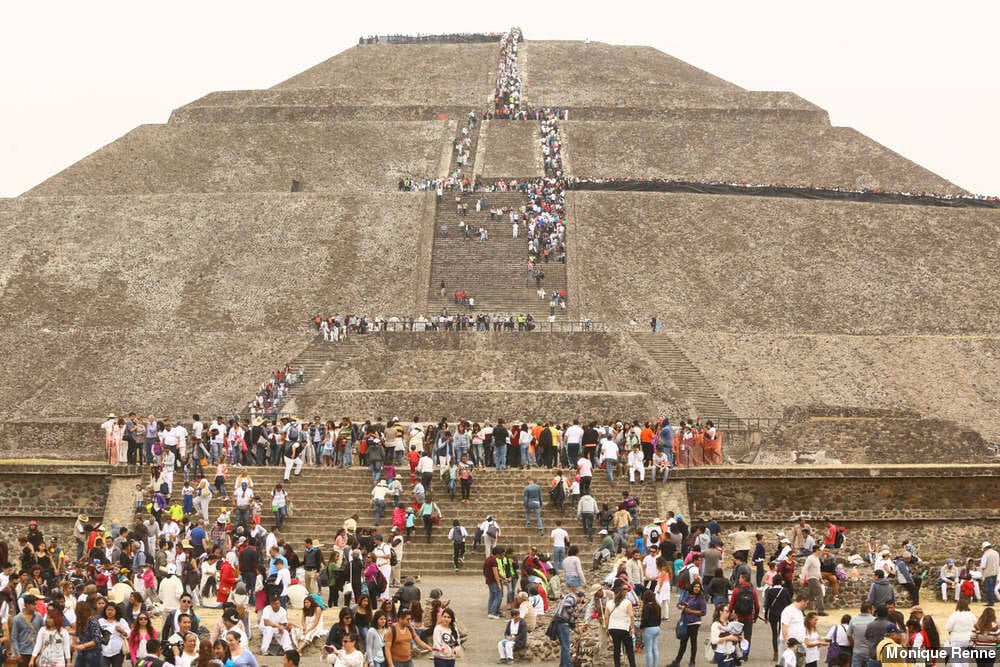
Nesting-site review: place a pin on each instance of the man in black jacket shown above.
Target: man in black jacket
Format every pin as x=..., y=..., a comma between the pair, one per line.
x=515, y=636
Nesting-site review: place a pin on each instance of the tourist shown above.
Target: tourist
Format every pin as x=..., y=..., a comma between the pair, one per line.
x=620, y=624
x=693, y=608
x=457, y=536
x=401, y=638
x=960, y=626
x=724, y=638
x=491, y=573
x=240, y=656
x=515, y=637
x=793, y=622
x=375, y=640
x=532, y=498
x=446, y=639
x=564, y=620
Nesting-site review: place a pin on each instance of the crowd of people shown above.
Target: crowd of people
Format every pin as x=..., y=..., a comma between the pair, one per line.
x=633, y=446
x=133, y=592
x=808, y=191
x=448, y=38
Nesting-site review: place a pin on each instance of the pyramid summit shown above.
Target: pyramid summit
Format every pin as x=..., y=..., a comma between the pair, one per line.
x=174, y=269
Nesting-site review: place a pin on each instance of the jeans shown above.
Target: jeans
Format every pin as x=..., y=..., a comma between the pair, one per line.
x=609, y=466
x=379, y=510
x=989, y=583
x=376, y=467
x=651, y=640
x=666, y=472
x=524, y=456
x=279, y=516
x=213, y=452
x=859, y=660
x=622, y=644
x=573, y=452
x=477, y=454
x=588, y=524
x=243, y=517
x=558, y=554
x=500, y=452
x=538, y=514
x=493, y=604
x=565, y=651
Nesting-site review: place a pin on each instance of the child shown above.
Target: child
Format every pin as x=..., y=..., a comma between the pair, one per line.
x=187, y=495
x=138, y=497
x=788, y=657
x=410, y=523
x=220, y=480
x=389, y=471
x=256, y=508
x=395, y=488
x=574, y=491
x=414, y=458
x=399, y=519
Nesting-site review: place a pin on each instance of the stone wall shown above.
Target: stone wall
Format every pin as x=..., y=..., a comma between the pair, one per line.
x=946, y=510
x=477, y=405
x=67, y=440
x=53, y=495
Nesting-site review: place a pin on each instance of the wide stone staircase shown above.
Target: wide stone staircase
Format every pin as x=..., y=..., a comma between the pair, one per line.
x=493, y=271
x=689, y=380
x=323, y=497
x=317, y=360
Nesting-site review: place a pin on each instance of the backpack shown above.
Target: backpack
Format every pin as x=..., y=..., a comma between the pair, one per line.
x=684, y=579
x=293, y=432
x=838, y=541
x=380, y=580
x=968, y=588
x=393, y=559
x=455, y=535
x=492, y=530
x=743, y=606
x=557, y=494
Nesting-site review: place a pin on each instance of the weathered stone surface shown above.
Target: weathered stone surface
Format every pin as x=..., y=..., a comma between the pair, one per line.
x=780, y=265
x=743, y=150
x=444, y=73
x=946, y=377
x=65, y=439
x=509, y=148
x=334, y=155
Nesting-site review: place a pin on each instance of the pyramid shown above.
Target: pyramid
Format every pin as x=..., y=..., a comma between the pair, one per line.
x=175, y=268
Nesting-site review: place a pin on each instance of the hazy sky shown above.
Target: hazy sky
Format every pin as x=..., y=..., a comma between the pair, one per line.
x=919, y=78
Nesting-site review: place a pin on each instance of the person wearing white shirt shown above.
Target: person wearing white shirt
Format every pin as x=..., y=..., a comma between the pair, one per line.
x=274, y=623
x=560, y=540
x=181, y=434
x=636, y=465
x=609, y=457
x=574, y=436
x=661, y=464
x=585, y=471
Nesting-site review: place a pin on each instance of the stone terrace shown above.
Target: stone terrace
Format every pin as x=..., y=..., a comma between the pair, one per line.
x=208, y=261
x=429, y=73
x=509, y=149
x=569, y=74
x=947, y=377
x=779, y=265
x=472, y=375
x=743, y=150
x=317, y=104
x=341, y=156
x=629, y=101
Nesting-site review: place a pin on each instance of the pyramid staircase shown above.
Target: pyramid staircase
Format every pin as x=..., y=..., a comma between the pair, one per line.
x=689, y=380
x=493, y=271
x=323, y=497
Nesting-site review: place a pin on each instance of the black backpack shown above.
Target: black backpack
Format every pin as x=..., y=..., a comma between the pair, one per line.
x=744, y=602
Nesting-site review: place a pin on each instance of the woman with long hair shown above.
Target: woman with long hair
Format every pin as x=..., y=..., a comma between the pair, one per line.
x=446, y=643
x=240, y=656
x=813, y=641
x=312, y=624
x=142, y=632
x=88, y=636
x=220, y=652
x=650, y=619
x=621, y=624
x=343, y=627
x=986, y=635
x=52, y=645
x=693, y=608
x=375, y=640
x=113, y=651
x=725, y=642
x=363, y=618
x=776, y=598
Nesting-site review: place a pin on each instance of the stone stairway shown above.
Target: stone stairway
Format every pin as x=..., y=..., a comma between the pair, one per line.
x=317, y=359
x=689, y=380
x=469, y=168
x=493, y=271
x=323, y=497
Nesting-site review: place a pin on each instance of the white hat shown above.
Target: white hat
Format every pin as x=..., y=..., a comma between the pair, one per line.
x=171, y=569
x=986, y=545
x=603, y=532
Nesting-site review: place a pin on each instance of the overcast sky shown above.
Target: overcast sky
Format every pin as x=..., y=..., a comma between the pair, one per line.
x=920, y=79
